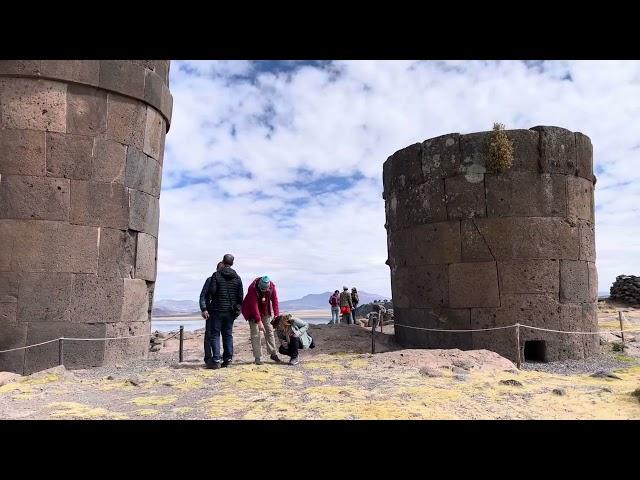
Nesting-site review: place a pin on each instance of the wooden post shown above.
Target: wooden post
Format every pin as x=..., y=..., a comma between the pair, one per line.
x=181, y=340
x=518, y=344
x=621, y=328
x=60, y=351
x=373, y=338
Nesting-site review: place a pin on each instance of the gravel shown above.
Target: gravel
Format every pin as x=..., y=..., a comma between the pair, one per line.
x=597, y=363
x=131, y=369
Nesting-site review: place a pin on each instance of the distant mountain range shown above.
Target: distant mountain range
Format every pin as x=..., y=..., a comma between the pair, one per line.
x=163, y=308
x=321, y=300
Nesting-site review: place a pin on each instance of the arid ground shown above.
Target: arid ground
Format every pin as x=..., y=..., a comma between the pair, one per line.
x=340, y=379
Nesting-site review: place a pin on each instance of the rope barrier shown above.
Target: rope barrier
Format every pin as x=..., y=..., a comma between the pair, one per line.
x=395, y=324
x=72, y=339
x=29, y=346
x=171, y=336
x=106, y=338
x=517, y=325
x=455, y=331
x=579, y=333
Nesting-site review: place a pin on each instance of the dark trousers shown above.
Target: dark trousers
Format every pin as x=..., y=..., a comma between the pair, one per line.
x=221, y=325
x=353, y=313
x=293, y=346
x=292, y=349
x=207, y=339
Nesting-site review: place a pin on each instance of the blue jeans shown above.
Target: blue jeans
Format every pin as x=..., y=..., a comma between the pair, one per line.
x=222, y=324
x=335, y=314
x=353, y=314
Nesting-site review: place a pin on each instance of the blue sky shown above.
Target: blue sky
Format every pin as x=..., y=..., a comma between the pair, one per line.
x=280, y=162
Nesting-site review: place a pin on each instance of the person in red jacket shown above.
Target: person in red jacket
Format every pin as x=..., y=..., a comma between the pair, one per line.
x=259, y=306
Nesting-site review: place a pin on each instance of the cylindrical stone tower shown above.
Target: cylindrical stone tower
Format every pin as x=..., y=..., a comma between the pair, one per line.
x=81, y=147
x=470, y=249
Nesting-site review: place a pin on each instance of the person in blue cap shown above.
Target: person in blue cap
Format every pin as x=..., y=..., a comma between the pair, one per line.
x=259, y=306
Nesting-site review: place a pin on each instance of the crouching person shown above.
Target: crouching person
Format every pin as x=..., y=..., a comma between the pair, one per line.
x=258, y=308
x=293, y=336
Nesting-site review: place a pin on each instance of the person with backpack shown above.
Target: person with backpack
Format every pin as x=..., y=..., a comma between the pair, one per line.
x=205, y=302
x=293, y=336
x=346, y=304
x=355, y=300
x=225, y=292
x=258, y=308
x=334, y=301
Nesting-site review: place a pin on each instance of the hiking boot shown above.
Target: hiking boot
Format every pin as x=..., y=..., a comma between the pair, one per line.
x=213, y=366
x=276, y=358
x=294, y=361
x=258, y=361
x=226, y=363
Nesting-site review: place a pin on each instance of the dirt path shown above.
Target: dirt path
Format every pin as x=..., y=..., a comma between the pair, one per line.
x=337, y=380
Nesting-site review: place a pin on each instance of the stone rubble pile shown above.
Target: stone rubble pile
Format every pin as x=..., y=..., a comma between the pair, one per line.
x=626, y=289
x=378, y=312
x=156, y=342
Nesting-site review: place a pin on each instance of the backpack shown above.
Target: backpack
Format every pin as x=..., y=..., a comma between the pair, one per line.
x=333, y=300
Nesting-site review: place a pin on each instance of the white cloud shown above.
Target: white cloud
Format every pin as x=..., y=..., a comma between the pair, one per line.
x=267, y=144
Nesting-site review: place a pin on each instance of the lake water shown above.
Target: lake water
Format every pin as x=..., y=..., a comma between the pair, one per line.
x=195, y=322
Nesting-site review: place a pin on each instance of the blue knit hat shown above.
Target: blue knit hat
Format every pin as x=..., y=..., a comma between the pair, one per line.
x=264, y=282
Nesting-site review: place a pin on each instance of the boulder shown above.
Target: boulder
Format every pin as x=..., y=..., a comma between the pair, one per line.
x=8, y=377
x=59, y=370
x=605, y=374
x=430, y=372
x=511, y=382
x=462, y=363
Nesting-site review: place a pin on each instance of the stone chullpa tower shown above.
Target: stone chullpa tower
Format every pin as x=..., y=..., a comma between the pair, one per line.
x=470, y=249
x=81, y=150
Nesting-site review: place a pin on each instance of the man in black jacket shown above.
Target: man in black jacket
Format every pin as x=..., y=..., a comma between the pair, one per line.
x=225, y=293
x=205, y=303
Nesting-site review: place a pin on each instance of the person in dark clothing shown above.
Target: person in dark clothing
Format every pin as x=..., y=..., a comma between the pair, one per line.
x=355, y=299
x=334, y=301
x=225, y=291
x=346, y=304
x=205, y=302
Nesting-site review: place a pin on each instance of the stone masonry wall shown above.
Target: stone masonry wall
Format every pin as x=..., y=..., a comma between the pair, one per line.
x=81, y=150
x=470, y=249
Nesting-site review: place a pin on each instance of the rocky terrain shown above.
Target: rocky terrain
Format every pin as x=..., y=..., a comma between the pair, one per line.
x=339, y=379
x=366, y=308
